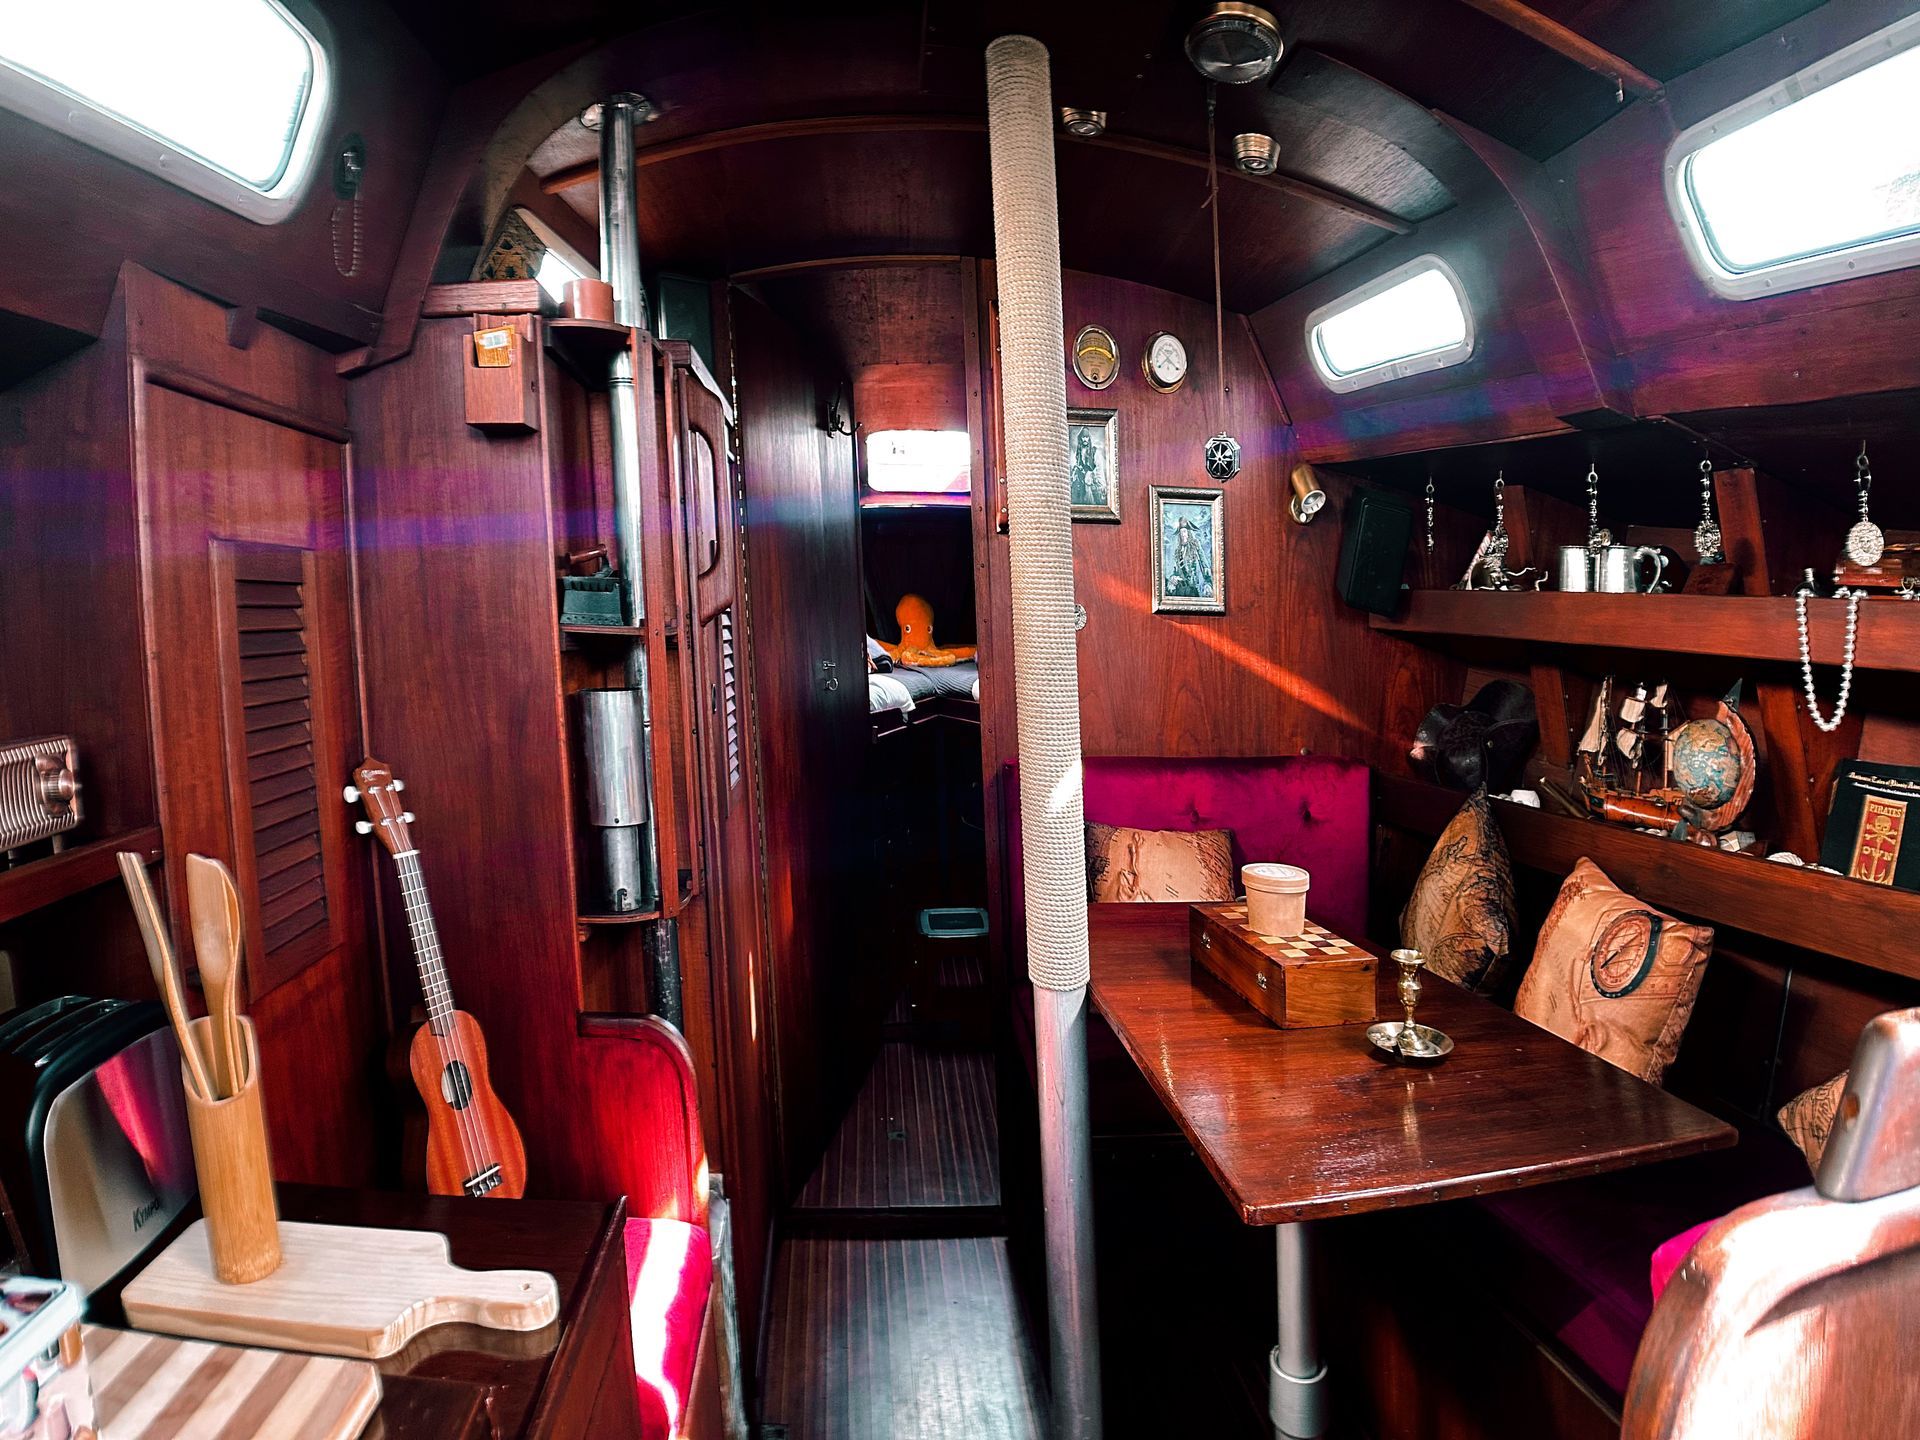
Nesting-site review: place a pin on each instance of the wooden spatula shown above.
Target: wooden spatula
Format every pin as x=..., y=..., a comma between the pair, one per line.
x=215, y=906
x=166, y=975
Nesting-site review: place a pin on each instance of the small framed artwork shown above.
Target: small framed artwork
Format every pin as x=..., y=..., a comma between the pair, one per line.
x=1093, y=464
x=1189, y=551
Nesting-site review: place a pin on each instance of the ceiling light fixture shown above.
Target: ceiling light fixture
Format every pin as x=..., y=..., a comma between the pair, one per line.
x=1235, y=44
x=1256, y=154
x=1083, y=124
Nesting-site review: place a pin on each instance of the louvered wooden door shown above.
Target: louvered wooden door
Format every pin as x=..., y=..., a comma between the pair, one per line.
x=275, y=719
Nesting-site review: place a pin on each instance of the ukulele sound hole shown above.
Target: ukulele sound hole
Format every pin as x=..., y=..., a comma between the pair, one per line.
x=456, y=1085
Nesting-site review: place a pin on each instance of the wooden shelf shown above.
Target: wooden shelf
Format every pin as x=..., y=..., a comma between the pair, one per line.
x=42, y=882
x=586, y=346
x=631, y=917
x=612, y=632
x=1740, y=627
x=1828, y=914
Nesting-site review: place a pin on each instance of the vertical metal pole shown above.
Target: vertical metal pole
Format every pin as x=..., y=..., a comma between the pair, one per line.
x=620, y=267
x=1026, y=225
x=1296, y=1375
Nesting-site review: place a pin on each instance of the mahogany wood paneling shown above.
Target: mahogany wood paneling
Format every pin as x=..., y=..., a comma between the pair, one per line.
x=1289, y=668
x=802, y=523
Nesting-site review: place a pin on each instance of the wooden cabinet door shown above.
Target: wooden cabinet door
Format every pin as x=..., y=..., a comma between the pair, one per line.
x=249, y=669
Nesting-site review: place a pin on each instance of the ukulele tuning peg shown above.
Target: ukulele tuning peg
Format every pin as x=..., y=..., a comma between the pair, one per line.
x=406, y=817
x=363, y=827
x=351, y=794
x=399, y=784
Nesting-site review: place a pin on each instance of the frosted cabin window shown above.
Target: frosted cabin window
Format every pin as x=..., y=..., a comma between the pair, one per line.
x=225, y=98
x=1814, y=180
x=919, y=462
x=1411, y=319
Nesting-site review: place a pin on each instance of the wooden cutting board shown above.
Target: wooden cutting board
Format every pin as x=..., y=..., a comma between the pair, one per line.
x=340, y=1290
x=151, y=1387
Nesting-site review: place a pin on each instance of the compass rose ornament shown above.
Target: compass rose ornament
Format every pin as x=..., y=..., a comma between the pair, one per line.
x=1223, y=457
x=1865, y=541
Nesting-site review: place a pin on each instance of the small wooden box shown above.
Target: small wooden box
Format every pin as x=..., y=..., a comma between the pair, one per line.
x=1313, y=978
x=500, y=379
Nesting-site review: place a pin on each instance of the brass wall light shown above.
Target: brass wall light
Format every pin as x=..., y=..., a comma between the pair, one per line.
x=1308, y=498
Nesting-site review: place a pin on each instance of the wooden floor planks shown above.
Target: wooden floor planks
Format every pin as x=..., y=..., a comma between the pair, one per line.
x=900, y=1340
x=922, y=1132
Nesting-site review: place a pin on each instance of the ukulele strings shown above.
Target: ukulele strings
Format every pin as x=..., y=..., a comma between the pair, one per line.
x=449, y=1043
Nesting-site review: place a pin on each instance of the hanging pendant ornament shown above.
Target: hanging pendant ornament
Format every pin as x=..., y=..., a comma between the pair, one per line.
x=1865, y=541
x=1429, y=514
x=1706, y=535
x=1598, y=537
x=1222, y=454
x=1499, y=542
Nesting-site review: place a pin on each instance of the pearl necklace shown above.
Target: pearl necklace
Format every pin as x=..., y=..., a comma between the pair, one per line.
x=1853, y=599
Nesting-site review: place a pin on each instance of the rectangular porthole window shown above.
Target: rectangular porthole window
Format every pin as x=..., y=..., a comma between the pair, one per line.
x=224, y=98
x=919, y=462
x=1813, y=180
x=1412, y=319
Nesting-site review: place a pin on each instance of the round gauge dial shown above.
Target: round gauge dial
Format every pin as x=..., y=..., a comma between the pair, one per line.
x=1096, y=359
x=1165, y=362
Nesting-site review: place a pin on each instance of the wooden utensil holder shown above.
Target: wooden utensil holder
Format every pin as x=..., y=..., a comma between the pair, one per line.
x=236, y=1175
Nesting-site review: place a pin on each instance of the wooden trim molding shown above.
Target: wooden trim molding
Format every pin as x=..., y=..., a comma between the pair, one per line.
x=1569, y=44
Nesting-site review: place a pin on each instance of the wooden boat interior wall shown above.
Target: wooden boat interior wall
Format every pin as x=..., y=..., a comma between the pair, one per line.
x=277, y=497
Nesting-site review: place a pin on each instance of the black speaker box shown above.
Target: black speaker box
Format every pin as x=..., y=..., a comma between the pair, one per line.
x=1373, y=550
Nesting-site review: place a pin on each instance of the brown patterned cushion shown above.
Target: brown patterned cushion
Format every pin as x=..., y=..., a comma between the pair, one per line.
x=1176, y=865
x=1616, y=977
x=1460, y=915
x=1808, y=1117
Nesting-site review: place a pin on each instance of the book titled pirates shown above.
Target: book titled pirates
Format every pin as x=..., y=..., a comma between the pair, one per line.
x=1875, y=809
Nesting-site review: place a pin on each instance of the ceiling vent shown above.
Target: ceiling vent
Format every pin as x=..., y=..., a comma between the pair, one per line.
x=1083, y=124
x=1256, y=154
x=1235, y=44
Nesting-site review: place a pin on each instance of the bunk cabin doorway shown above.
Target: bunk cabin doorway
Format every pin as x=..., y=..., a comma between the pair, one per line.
x=570, y=463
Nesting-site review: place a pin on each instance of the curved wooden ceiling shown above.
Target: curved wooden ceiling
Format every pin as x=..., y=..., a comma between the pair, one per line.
x=1353, y=106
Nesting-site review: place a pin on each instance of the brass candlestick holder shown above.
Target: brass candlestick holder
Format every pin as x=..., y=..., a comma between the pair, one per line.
x=1408, y=1039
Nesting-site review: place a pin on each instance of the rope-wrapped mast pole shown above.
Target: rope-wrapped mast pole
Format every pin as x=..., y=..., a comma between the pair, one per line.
x=1033, y=399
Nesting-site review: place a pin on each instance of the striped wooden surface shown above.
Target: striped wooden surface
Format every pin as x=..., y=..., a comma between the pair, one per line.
x=152, y=1387
x=900, y=1340
x=922, y=1132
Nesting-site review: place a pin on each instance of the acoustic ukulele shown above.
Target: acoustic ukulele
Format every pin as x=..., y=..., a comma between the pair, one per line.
x=473, y=1146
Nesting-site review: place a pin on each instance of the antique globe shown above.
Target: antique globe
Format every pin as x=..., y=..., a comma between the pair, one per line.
x=1707, y=763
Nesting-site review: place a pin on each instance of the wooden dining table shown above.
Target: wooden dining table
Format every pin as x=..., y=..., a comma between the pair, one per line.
x=1300, y=1126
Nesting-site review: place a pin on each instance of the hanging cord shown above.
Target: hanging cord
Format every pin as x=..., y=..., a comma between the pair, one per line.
x=1213, y=208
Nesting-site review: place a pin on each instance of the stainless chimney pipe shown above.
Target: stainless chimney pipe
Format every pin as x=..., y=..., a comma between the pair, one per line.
x=632, y=854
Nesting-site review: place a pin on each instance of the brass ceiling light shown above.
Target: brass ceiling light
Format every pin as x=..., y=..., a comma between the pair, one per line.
x=1083, y=124
x=1308, y=498
x=1255, y=154
x=1235, y=44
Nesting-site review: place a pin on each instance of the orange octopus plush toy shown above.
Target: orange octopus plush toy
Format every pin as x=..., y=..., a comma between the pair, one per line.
x=916, y=645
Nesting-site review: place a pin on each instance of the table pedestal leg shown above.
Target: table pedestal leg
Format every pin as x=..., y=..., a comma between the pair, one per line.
x=1296, y=1376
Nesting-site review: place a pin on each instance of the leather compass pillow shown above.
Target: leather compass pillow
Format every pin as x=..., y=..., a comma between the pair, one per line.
x=1615, y=976
x=1167, y=865
x=1460, y=915
x=1808, y=1117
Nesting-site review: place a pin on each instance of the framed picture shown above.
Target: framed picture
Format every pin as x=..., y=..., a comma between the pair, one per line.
x=1189, y=551
x=1093, y=464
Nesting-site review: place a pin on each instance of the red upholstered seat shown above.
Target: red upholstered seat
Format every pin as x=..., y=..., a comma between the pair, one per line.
x=669, y=1273
x=1309, y=810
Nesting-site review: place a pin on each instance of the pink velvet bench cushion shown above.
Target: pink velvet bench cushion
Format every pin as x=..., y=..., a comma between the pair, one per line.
x=669, y=1274
x=1307, y=810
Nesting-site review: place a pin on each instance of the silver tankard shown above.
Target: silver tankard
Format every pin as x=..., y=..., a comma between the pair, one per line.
x=1617, y=569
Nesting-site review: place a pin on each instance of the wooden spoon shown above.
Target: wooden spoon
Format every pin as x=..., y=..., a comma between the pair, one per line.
x=166, y=975
x=215, y=907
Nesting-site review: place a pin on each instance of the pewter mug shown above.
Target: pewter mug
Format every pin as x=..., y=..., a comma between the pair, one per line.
x=1576, y=567
x=1616, y=569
